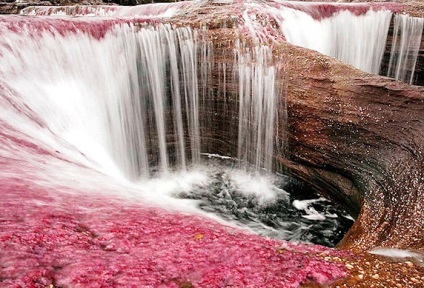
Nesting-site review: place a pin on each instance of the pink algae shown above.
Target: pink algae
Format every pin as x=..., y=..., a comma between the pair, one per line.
x=323, y=10
x=49, y=238
x=96, y=27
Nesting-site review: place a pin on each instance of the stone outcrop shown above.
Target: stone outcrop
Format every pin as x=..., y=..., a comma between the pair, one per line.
x=358, y=137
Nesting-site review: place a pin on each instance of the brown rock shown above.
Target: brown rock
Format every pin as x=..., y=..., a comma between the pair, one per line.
x=353, y=136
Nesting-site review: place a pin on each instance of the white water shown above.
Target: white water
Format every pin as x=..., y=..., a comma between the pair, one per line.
x=338, y=31
x=356, y=40
x=125, y=104
x=311, y=212
x=129, y=102
x=108, y=97
x=406, y=43
x=258, y=98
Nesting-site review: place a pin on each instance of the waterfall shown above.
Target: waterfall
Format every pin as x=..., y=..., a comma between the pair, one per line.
x=130, y=97
x=356, y=40
x=258, y=100
x=355, y=34
x=124, y=93
x=406, y=42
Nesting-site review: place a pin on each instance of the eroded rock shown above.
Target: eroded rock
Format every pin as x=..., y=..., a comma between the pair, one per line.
x=353, y=136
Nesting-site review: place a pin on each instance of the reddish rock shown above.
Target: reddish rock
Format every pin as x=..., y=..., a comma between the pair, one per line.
x=353, y=136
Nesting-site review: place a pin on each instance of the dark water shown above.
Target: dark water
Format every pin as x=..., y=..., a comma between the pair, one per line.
x=281, y=208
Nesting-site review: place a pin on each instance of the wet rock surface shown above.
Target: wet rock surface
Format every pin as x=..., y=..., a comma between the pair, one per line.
x=369, y=271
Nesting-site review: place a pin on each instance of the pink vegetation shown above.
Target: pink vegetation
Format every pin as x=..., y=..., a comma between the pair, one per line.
x=147, y=10
x=90, y=241
x=95, y=27
x=320, y=11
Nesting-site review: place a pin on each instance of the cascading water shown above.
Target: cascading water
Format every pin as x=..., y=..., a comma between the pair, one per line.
x=406, y=44
x=145, y=103
x=117, y=105
x=356, y=40
x=141, y=121
x=353, y=33
x=258, y=99
x=126, y=98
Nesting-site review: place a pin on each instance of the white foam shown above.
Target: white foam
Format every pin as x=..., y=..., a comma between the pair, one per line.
x=397, y=253
x=312, y=213
x=211, y=155
x=253, y=185
x=304, y=204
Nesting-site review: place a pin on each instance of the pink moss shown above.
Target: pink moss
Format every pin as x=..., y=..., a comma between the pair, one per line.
x=96, y=27
x=320, y=11
x=92, y=242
